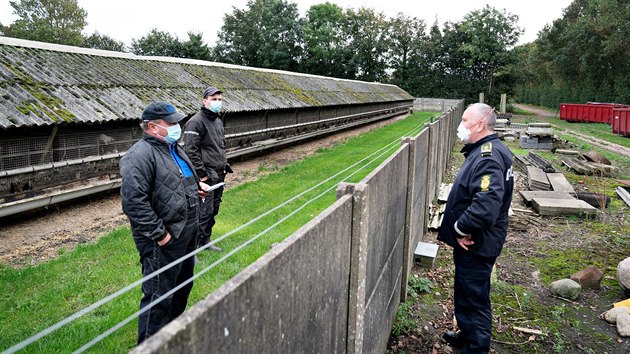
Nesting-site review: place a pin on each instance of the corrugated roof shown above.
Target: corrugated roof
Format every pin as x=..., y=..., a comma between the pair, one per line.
x=46, y=84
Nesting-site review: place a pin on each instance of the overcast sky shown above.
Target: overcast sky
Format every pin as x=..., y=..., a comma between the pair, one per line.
x=128, y=19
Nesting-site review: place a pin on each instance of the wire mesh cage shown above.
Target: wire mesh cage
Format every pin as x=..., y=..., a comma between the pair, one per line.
x=18, y=153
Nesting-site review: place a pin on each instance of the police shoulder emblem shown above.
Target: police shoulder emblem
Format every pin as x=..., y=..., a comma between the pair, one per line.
x=485, y=183
x=486, y=149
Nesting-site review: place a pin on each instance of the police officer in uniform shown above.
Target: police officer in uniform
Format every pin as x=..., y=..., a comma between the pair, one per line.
x=475, y=224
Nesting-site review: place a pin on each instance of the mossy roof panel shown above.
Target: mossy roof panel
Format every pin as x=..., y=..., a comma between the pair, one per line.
x=45, y=84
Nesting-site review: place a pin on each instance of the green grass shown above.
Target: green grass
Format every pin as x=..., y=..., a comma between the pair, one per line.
x=521, y=112
x=34, y=298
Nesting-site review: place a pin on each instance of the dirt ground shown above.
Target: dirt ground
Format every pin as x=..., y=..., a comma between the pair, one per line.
x=612, y=147
x=520, y=296
x=41, y=235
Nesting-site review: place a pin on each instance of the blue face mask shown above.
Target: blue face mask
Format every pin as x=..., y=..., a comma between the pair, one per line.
x=174, y=132
x=214, y=106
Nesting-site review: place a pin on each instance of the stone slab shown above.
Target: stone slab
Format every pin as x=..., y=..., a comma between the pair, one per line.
x=529, y=195
x=560, y=183
x=537, y=179
x=557, y=207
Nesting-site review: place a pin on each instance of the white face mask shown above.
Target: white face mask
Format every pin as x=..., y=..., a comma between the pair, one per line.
x=463, y=133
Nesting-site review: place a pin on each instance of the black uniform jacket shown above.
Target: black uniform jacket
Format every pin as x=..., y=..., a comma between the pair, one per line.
x=152, y=189
x=204, y=142
x=480, y=199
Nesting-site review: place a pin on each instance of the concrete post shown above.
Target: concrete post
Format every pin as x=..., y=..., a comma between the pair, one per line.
x=503, y=102
x=409, y=215
x=358, y=262
x=481, y=97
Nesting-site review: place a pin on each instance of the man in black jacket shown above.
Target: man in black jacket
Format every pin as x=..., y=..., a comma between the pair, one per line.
x=160, y=196
x=475, y=224
x=204, y=142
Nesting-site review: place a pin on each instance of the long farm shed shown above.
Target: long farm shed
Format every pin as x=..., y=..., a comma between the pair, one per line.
x=68, y=114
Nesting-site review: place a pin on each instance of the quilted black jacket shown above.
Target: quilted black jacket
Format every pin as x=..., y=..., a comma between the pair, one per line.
x=152, y=189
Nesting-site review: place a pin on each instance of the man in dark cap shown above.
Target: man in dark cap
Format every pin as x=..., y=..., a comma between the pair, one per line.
x=160, y=196
x=204, y=142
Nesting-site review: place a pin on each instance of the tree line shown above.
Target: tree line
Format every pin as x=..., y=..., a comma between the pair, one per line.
x=583, y=56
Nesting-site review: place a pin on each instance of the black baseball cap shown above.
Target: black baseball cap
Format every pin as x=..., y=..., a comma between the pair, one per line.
x=211, y=91
x=162, y=110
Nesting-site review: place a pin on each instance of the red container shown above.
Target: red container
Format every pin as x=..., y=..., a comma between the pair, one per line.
x=621, y=121
x=591, y=112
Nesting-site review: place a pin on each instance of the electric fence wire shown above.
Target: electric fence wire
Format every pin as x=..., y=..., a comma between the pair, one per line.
x=133, y=285
x=216, y=263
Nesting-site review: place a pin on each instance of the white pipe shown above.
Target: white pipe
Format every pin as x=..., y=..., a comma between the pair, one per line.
x=61, y=196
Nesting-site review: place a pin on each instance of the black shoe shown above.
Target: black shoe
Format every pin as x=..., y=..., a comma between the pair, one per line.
x=452, y=339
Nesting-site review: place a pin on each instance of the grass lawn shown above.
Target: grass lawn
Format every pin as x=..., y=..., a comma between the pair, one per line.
x=35, y=298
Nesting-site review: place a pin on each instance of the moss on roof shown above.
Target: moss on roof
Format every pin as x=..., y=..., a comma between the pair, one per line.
x=49, y=86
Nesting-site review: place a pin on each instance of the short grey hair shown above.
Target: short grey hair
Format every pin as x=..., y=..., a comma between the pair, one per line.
x=482, y=110
x=144, y=125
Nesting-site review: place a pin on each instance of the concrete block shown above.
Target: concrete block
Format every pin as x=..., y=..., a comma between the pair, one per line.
x=556, y=207
x=425, y=254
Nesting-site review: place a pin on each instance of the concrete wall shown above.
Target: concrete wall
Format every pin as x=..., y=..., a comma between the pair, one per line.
x=426, y=104
x=334, y=285
x=294, y=299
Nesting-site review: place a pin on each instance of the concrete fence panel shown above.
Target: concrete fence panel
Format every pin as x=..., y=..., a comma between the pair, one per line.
x=379, y=216
x=416, y=201
x=294, y=299
x=433, y=104
x=433, y=161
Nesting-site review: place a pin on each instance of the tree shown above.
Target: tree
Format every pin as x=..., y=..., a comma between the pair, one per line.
x=583, y=56
x=325, y=41
x=195, y=48
x=476, y=51
x=53, y=21
x=266, y=34
x=103, y=41
x=367, y=31
x=407, y=42
x=157, y=43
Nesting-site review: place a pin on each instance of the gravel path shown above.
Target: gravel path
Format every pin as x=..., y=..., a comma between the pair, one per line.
x=603, y=144
x=41, y=235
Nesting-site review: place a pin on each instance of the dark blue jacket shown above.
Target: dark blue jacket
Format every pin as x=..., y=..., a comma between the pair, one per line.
x=480, y=198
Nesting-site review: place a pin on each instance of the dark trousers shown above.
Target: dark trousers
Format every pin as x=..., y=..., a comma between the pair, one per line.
x=153, y=257
x=210, y=209
x=472, y=300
